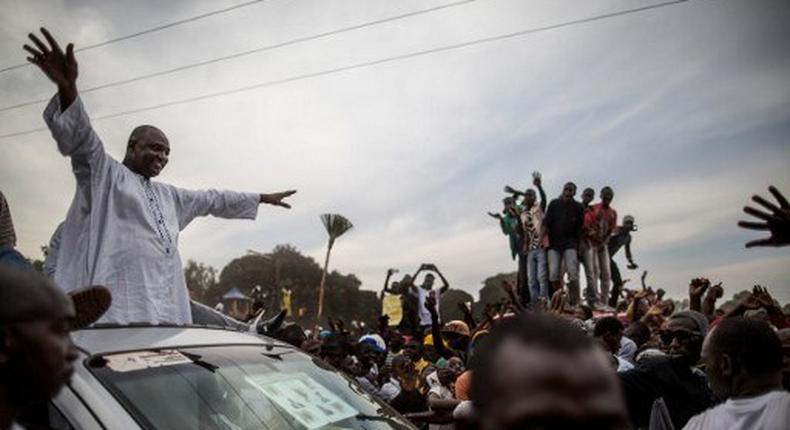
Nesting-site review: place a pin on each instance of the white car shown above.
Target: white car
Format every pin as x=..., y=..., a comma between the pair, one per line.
x=160, y=377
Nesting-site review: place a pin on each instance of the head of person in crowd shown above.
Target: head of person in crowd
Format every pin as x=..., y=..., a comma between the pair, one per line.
x=538, y=371
x=455, y=365
x=333, y=349
x=583, y=312
x=784, y=337
x=147, y=151
x=530, y=198
x=588, y=195
x=660, y=293
x=413, y=350
x=629, y=223
x=509, y=205
x=743, y=358
x=377, y=352
x=457, y=334
x=609, y=331
x=429, y=350
x=36, y=350
x=606, y=196
x=569, y=191
x=683, y=334
x=427, y=282
x=639, y=332
x=395, y=343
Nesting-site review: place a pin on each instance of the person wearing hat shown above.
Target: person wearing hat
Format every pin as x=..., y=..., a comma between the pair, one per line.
x=673, y=377
x=36, y=350
x=451, y=340
x=621, y=237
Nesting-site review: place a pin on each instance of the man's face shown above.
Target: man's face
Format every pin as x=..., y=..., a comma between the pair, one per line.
x=428, y=282
x=568, y=191
x=413, y=351
x=606, y=196
x=529, y=198
x=718, y=374
x=456, y=365
x=587, y=196
x=682, y=340
x=612, y=341
x=538, y=388
x=37, y=358
x=148, y=152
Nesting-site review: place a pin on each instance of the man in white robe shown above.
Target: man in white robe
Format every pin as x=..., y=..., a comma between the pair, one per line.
x=122, y=228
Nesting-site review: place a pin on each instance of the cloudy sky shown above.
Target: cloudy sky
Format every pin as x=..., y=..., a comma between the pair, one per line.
x=684, y=110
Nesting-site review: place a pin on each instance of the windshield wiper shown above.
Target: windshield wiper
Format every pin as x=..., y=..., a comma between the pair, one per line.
x=395, y=423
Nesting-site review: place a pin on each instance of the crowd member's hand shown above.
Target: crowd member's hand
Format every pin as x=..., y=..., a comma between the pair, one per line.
x=495, y=215
x=777, y=222
x=510, y=190
x=715, y=292
x=698, y=286
x=536, y=180
x=61, y=68
x=763, y=296
x=391, y=271
x=750, y=302
x=632, y=266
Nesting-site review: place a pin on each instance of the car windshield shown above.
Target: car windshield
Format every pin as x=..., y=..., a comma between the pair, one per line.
x=238, y=387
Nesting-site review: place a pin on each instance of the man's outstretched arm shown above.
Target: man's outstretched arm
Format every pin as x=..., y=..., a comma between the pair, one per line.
x=191, y=204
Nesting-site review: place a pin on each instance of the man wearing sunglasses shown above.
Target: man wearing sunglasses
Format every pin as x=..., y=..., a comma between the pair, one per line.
x=673, y=377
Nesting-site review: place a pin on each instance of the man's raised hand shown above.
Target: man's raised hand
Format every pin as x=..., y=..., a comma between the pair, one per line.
x=60, y=67
x=276, y=199
x=777, y=221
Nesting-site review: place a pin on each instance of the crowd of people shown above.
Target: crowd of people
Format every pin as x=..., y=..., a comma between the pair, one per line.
x=623, y=358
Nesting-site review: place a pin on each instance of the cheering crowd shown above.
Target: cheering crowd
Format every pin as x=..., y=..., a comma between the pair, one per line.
x=622, y=358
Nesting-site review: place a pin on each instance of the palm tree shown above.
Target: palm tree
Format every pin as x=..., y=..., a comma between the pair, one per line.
x=335, y=226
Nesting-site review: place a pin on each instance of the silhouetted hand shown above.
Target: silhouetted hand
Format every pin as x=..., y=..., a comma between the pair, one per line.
x=698, y=286
x=763, y=296
x=495, y=215
x=276, y=199
x=715, y=292
x=61, y=68
x=777, y=222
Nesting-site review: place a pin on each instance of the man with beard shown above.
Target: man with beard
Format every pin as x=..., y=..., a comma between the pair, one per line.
x=122, y=228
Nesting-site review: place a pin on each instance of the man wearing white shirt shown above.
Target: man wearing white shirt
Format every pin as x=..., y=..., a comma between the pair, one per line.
x=122, y=228
x=744, y=366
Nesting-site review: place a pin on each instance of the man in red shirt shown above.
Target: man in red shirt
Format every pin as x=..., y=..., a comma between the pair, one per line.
x=599, y=223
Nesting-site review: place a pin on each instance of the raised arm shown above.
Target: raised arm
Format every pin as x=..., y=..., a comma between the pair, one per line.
x=65, y=115
x=539, y=184
x=386, y=288
x=445, y=284
x=191, y=204
x=629, y=256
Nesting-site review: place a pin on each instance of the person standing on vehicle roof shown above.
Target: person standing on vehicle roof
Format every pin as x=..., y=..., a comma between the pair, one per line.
x=36, y=351
x=122, y=228
x=619, y=238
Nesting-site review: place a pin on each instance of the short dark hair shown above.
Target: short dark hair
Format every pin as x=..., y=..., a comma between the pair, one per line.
x=542, y=330
x=588, y=312
x=607, y=325
x=751, y=343
x=639, y=332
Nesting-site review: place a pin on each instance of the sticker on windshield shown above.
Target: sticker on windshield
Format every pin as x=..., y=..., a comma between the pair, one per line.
x=145, y=359
x=303, y=398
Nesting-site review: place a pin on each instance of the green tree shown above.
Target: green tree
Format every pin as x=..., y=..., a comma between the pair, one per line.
x=200, y=279
x=448, y=306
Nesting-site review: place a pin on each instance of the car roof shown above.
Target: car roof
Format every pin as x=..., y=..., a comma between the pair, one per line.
x=112, y=339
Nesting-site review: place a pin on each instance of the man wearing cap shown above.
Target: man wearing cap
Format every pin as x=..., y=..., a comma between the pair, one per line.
x=122, y=229
x=36, y=351
x=619, y=238
x=674, y=377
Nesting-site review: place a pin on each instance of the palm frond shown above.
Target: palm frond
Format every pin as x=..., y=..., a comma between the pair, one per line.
x=336, y=225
